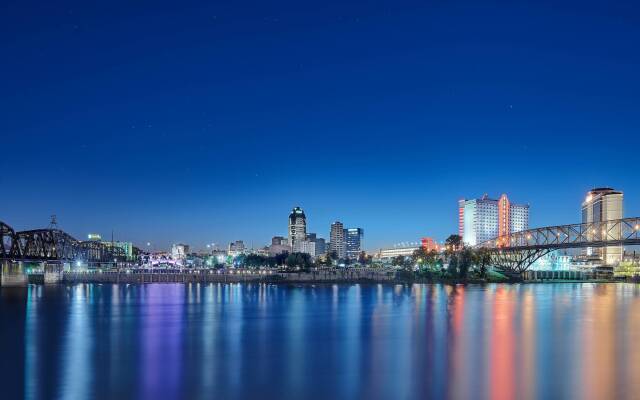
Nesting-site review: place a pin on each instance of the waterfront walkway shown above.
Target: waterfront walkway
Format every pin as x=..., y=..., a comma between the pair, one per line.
x=328, y=276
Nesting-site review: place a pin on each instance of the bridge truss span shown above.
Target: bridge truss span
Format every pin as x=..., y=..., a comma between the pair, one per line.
x=9, y=243
x=54, y=245
x=517, y=251
x=619, y=232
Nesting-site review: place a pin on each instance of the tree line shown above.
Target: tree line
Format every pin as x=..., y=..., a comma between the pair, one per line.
x=461, y=262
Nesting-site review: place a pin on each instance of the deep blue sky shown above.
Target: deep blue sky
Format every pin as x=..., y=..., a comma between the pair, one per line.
x=206, y=122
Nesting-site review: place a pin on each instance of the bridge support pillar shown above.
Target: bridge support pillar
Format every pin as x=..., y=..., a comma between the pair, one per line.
x=13, y=274
x=52, y=273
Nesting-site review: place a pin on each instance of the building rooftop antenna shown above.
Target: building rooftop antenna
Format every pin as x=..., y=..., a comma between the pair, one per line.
x=54, y=222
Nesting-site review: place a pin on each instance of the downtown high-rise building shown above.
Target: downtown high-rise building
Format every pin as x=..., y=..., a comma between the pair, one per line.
x=320, y=245
x=337, y=244
x=485, y=219
x=297, y=226
x=353, y=242
x=603, y=204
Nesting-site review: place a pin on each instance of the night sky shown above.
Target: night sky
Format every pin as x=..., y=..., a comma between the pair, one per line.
x=207, y=122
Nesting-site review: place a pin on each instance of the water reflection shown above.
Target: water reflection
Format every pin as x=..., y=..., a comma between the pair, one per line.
x=324, y=341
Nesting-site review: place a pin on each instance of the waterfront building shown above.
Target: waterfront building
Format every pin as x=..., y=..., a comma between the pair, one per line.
x=275, y=249
x=179, y=251
x=336, y=236
x=389, y=253
x=94, y=237
x=603, y=204
x=429, y=244
x=305, y=246
x=297, y=226
x=263, y=251
x=484, y=219
x=279, y=245
x=236, y=248
x=279, y=241
x=554, y=261
x=127, y=247
x=353, y=242
x=321, y=247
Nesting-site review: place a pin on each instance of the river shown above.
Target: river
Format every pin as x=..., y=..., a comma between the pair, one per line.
x=237, y=341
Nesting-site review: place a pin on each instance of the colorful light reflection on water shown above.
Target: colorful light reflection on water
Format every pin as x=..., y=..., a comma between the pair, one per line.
x=323, y=341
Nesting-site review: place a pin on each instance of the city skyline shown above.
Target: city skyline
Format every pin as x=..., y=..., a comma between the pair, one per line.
x=320, y=200
x=204, y=245
x=392, y=114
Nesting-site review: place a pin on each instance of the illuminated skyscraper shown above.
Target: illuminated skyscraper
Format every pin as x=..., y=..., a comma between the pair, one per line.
x=603, y=204
x=297, y=226
x=484, y=219
x=353, y=241
x=337, y=244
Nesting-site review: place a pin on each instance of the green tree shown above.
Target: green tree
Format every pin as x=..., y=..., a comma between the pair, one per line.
x=362, y=258
x=482, y=260
x=452, y=268
x=465, y=261
x=419, y=256
x=425, y=259
x=330, y=257
x=398, y=261
x=453, y=243
x=281, y=258
x=298, y=260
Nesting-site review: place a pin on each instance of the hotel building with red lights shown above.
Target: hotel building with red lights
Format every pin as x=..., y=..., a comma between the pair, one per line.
x=484, y=219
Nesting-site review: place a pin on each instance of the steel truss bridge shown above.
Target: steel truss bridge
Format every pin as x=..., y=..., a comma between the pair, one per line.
x=53, y=245
x=516, y=252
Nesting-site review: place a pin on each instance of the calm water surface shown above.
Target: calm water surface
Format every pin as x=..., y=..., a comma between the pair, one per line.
x=328, y=341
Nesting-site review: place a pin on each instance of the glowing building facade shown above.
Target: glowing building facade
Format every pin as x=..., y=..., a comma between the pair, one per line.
x=485, y=219
x=603, y=204
x=429, y=244
x=179, y=251
x=297, y=226
x=353, y=242
x=337, y=244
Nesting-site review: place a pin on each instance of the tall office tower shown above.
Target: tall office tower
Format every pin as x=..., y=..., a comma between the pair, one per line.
x=321, y=247
x=337, y=244
x=297, y=226
x=603, y=204
x=353, y=239
x=485, y=219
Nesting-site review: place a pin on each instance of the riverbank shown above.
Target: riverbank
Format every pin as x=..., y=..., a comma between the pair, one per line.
x=314, y=277
x=335, y=276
